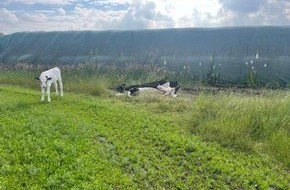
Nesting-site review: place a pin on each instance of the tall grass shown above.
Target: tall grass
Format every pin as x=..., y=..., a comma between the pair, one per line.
x=245, y=122
x=250, y=123
x=84, y=78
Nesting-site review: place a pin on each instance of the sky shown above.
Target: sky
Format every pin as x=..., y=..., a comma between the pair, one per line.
x=67, y=15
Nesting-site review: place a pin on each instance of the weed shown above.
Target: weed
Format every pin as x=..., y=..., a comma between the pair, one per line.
x=243, y=122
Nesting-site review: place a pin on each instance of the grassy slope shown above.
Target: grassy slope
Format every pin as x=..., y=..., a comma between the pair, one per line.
x=84, y=142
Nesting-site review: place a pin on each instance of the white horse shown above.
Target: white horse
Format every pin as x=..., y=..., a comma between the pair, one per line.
x=47, y=78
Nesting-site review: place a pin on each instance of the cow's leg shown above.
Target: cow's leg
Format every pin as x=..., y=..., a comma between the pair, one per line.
x=56, y=88
x=42, y=93
x=167, y=92
x=48, y=92
x=173, y=93
x=61, y=87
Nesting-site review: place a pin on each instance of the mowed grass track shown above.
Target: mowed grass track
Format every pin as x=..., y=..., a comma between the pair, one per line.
x=85, y=142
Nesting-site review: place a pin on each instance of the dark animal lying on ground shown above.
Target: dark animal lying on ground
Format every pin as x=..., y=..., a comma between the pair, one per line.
x=165, y=87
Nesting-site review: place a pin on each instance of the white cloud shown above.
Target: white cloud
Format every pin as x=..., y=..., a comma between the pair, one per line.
x=7, y=16
x=57, y=2
x=140, y=14
x=243, y=6
x=60, y=11
x=262, y=12
x=113, y=2
x=186, y=13
x=145, y=15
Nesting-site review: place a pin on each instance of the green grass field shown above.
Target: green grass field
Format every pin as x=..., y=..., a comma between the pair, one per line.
x=91, y=140
x=96, y=141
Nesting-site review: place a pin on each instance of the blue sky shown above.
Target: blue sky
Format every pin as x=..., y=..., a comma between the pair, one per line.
x=62, y=15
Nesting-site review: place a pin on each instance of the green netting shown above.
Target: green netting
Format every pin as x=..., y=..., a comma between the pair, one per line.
x=228, y=54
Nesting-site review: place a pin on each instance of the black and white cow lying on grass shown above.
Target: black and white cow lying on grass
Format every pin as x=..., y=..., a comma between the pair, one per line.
x=165, y=87
x=47, y=78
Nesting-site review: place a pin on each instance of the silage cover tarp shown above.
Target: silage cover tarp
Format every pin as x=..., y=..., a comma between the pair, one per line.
x=230, y=53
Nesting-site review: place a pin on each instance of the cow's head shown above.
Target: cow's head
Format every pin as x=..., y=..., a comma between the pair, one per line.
x=43, y=80
x=121, y=88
